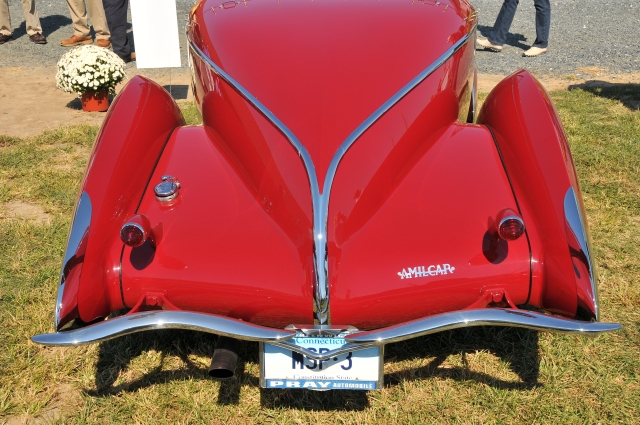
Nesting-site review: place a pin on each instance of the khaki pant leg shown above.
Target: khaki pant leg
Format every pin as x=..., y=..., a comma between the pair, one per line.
x=5, y=19
x=31, y=17
x=98, y=19
x=79, y=17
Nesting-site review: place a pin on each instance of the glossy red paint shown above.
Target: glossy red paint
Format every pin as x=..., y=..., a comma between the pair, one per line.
x=244, y=249
x=414, y=202
x=431, y=203
x=127, y=148
x=538, y=161
x=322, y=67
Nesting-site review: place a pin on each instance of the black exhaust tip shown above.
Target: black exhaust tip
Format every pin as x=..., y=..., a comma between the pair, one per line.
x=225, y=358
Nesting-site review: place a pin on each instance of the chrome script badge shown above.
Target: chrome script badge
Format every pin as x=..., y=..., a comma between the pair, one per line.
x=420, y=271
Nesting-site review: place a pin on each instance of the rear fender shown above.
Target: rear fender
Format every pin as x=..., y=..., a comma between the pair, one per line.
x=536, y=156
x=127, y=148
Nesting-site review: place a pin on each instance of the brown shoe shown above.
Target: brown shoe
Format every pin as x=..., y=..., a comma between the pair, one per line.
x=74, y=40
x=38, y=38
x=129, y=58
x=4, y=38
x=103, y=42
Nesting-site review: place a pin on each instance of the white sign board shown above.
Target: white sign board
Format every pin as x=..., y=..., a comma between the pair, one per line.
x=155, y=31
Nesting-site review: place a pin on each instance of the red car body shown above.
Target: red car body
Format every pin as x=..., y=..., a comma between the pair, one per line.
x=338, y=179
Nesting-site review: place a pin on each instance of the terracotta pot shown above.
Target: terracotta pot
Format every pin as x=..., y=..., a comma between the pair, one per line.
x=95, y=101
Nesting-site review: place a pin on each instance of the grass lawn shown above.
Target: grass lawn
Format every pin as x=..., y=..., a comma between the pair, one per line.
x=479, y=375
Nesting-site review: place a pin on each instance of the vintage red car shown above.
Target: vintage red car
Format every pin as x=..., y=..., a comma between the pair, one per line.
x=340, y=195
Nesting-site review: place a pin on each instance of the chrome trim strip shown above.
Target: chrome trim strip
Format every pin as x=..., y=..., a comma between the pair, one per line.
x=576, y=220
x=138, y=322
x=321, y=215
x=320, y=200
x=79, y=227
x=480, y=317
x=316, y=197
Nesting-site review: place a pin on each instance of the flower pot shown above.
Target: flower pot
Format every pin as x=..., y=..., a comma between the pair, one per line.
x=95, y=101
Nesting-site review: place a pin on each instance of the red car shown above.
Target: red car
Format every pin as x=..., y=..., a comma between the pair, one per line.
x=340, y=195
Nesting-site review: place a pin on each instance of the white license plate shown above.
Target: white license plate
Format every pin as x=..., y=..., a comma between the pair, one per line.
x=355, y=370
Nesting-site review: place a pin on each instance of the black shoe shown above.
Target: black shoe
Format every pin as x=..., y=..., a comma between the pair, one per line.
x=4, y=38
x=38, y=38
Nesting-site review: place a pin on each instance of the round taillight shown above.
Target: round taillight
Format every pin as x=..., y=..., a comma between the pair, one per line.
x=136, y=231
x=133, y=234
x=511, y=228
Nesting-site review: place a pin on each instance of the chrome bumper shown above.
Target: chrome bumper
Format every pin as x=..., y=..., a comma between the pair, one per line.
x=356, y=340
x=481, y=317
x=150, y=320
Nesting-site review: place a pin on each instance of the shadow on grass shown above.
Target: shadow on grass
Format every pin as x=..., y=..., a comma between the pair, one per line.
x=515, y=40
x=517, y=347
x=626, y=93
x=115, y=357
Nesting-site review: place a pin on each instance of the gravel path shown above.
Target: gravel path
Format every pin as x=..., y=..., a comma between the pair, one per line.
x=601, y=34
x=584, y=33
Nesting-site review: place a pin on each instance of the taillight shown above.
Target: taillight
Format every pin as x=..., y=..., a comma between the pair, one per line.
x=510, y=225
x=136, y=231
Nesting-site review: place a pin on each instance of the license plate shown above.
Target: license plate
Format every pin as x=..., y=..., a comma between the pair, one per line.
x=355, y=370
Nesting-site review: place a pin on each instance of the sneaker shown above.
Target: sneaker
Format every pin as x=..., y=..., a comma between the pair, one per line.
x=74, y=40
x=103, y=42
x=487, y=45
x=534, y=51
x=38, y=38
x=4, y=38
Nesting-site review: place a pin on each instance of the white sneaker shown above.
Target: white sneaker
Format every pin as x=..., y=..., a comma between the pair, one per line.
x=534, y=51
x=487, y=45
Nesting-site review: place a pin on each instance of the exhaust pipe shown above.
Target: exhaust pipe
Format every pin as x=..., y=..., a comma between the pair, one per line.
x=225, y=358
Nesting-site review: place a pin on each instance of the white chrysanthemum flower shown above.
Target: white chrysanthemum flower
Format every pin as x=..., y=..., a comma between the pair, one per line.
x=88, y=68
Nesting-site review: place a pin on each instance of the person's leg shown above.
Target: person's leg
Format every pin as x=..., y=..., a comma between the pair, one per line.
x=498, y=34
x=116, y=11
x=31, y=18
x=78, y=13
x=5, y=19
x=98, y=19
x=543, y=23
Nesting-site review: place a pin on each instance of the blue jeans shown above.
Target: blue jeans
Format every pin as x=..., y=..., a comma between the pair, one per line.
x=500, y=29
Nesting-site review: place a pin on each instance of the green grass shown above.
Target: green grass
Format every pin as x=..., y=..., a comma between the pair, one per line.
x=476, y=376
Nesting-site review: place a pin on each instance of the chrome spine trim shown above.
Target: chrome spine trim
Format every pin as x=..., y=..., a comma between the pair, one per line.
x=480, y=317
x=320, y=200
x=138, y=322
x=79, y=227
x=316, y=197
x=321, y=215
x=575, y=218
